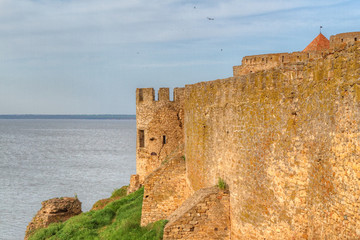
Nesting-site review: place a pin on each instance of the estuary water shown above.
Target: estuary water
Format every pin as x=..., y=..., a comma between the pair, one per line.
x=42, y=159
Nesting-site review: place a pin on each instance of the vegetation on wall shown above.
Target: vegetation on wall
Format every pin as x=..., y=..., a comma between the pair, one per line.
x=222, y=184
x=119, y=219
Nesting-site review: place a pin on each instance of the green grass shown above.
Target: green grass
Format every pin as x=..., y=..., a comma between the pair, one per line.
x=116, y=194
x=118, y=220
x=120, y=192
x=222, y=184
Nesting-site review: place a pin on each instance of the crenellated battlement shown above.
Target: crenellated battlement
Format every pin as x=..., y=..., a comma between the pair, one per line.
x=179, y=94
x=147, y=95
x=164, y=94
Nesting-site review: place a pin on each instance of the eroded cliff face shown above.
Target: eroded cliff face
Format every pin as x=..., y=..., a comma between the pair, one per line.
x=287, y=141
x=52, y=211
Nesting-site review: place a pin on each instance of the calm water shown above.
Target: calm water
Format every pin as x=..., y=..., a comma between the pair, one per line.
x=43, y=159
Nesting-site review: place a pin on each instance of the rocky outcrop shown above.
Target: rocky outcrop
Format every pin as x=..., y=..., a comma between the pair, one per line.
x=52, y=211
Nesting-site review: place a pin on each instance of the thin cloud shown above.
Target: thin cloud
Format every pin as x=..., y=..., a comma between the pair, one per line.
x=114, y=42
x=132, y=21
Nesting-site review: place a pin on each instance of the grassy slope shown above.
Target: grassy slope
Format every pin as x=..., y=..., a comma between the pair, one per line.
x=116, y=195
x=118, y=220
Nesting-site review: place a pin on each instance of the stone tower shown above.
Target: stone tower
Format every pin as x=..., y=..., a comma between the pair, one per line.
x=159, y=128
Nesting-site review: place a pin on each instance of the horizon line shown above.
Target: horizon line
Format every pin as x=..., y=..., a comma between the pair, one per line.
x=67, y=116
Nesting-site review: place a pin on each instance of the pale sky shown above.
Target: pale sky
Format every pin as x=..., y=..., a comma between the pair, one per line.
x=89, y=56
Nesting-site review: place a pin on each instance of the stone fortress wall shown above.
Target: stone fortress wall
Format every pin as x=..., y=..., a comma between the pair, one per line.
x=254, y=63
x=288, y=144
x=263, y=62
x=283, y=132
x=339, y=40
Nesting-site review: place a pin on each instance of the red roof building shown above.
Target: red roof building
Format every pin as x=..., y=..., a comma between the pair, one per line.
x=318, y=44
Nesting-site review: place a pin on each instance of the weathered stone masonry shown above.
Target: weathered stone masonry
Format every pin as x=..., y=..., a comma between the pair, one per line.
x=284, y=133
x=205, y=215
x=159, y=128
x=164, y=190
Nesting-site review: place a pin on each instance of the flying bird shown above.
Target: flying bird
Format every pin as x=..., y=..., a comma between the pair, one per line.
x=210, y=18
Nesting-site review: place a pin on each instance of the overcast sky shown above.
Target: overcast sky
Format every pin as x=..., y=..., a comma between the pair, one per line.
x=89, y=56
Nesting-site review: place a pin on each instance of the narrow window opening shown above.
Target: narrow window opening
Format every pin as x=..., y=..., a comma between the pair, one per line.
x=342, y=40
x=142, y=138
x=164, y=139
x=262, y=59
x=282, y=59
x=355, y=39
x=141, y=95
